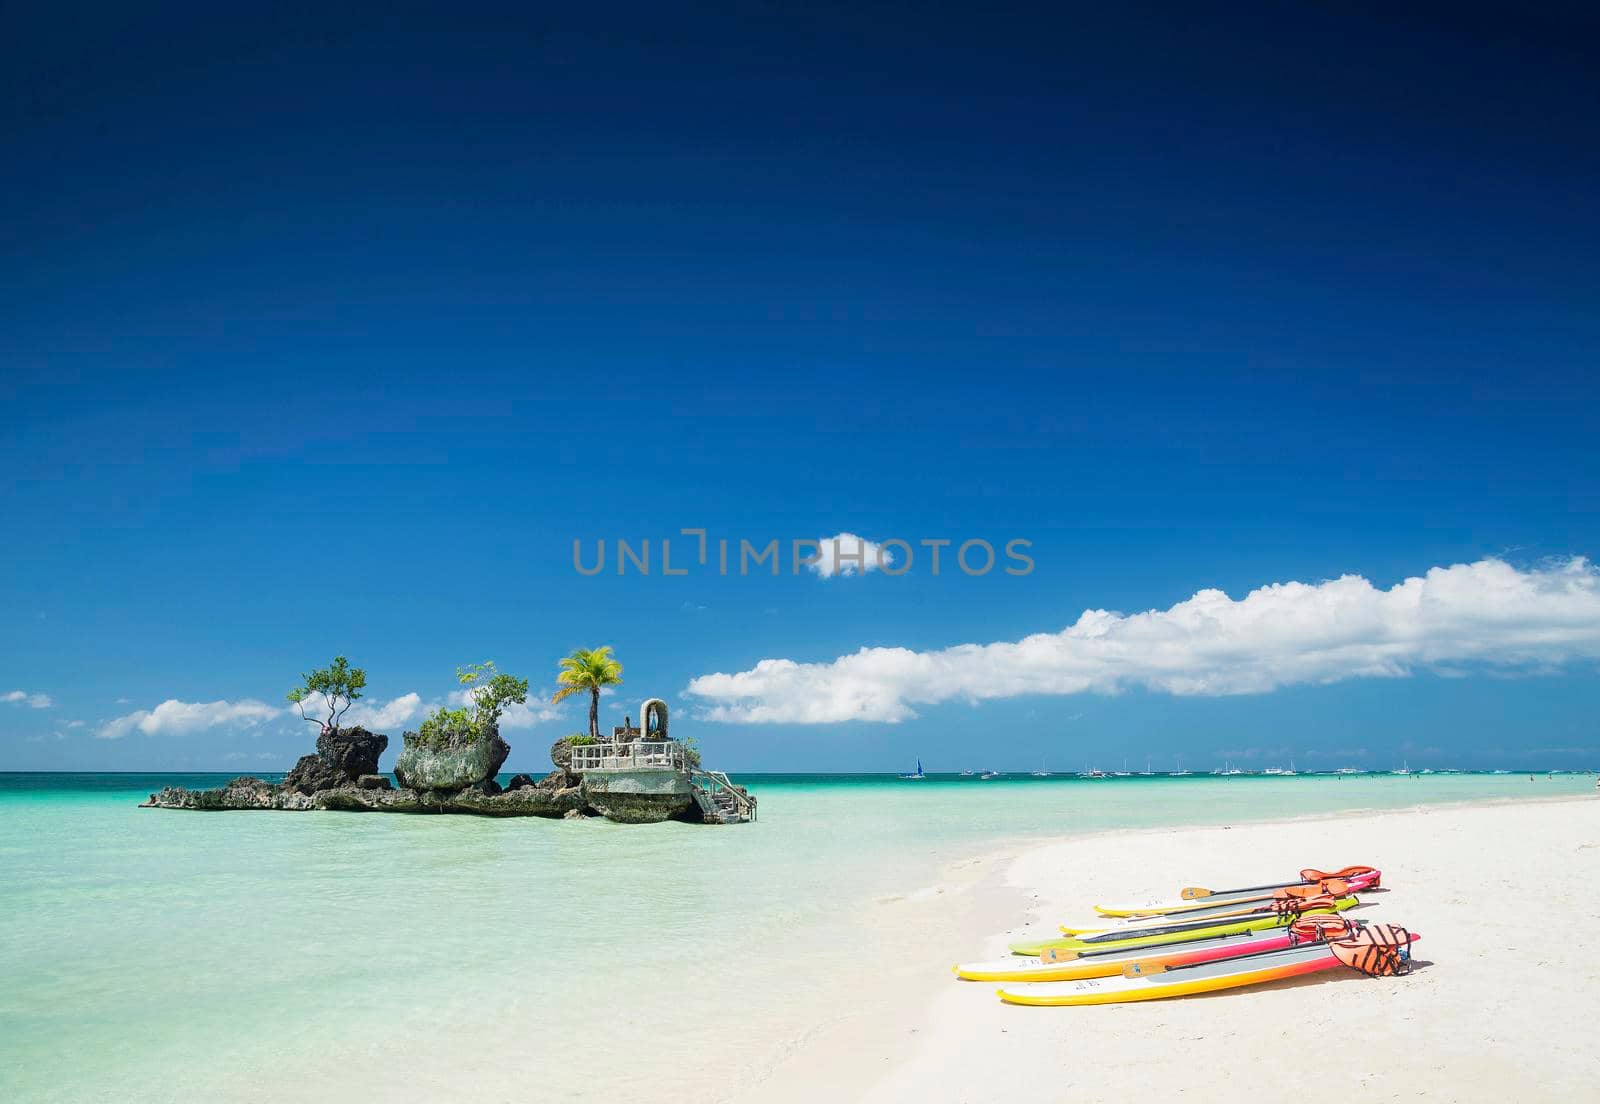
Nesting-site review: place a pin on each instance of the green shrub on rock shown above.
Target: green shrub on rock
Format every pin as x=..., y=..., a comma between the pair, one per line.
x=488, y=694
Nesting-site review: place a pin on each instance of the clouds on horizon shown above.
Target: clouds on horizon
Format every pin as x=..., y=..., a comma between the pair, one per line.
x=32, y=701
x=1484, y=613
x=366, y=713
x=174, y=716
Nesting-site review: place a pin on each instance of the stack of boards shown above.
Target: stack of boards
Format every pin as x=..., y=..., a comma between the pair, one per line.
x=1202, y=941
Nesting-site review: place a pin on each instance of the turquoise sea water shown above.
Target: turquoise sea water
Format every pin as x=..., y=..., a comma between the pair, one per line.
x=153, y=955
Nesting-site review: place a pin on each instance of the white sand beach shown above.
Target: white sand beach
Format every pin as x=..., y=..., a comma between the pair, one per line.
x=1500, y=1005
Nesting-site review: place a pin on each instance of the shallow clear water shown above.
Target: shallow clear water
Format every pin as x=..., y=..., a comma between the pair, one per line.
x=152, y=955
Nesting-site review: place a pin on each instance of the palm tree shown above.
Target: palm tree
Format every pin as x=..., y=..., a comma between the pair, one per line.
x=588, y=669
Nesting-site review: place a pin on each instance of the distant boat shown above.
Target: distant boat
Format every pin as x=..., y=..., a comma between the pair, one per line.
x=917, y=775
x=1041, y=772
x=1147, y=772
x=1180, y=772
x=1273, y=770
x=966, y=774
x=1096, y=773
x=1348, y=770
x=986, y=775
x=1499, y=772
x=1404, y=769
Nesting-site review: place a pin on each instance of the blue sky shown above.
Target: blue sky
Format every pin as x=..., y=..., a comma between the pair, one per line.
x=331, y=333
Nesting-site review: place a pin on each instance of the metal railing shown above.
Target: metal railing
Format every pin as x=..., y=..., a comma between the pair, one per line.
x=712, y=781
x=637, y=755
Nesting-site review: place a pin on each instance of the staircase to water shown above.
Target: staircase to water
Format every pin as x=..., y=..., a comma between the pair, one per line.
x=719, y=800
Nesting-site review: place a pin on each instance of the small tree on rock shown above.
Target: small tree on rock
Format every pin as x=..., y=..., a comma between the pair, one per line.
x=591, y=670
x=338, y=685
x=488, y=694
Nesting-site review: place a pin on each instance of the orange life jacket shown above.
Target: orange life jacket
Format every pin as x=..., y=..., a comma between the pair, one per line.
x=1313, y=929
x=1381, y=950
x=1312, y=874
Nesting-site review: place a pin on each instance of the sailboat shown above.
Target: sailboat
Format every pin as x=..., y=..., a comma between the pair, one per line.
x=917, y=775
x=1041, y=772
x=1180, y=772
x=1404, y=769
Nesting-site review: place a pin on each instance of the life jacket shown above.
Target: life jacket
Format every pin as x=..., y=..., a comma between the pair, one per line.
x=1316, y=929
x=1331, y=887
x=1380, y=950
x=1294, y=906
x=1369, y=874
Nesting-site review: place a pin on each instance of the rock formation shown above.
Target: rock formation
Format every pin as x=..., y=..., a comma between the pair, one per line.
x=343, y=756
x=453, y=775
x=457, y=776
x=453, y=763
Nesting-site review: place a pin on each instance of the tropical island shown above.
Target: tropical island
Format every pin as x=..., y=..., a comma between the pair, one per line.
x=450, y=764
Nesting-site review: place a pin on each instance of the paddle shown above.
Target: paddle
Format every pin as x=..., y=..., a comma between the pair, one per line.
x=1337, y=887
x=1280, y=903
x=1300, y=906
x=1307, y=877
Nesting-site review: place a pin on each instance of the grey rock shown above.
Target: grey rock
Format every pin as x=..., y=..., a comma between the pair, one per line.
x=637, y=808
x=561, y=756
x=353, y=751
x=458, y=762
x=245, y=792
x=525, y=801
x=343, y=755
x=310, y=774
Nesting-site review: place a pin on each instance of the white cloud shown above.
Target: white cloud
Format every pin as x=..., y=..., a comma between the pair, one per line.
x=838, y=556
x=516, y=716
x=1488, y=614
x=177, y=717
x=32, y=701
x=369, y=715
